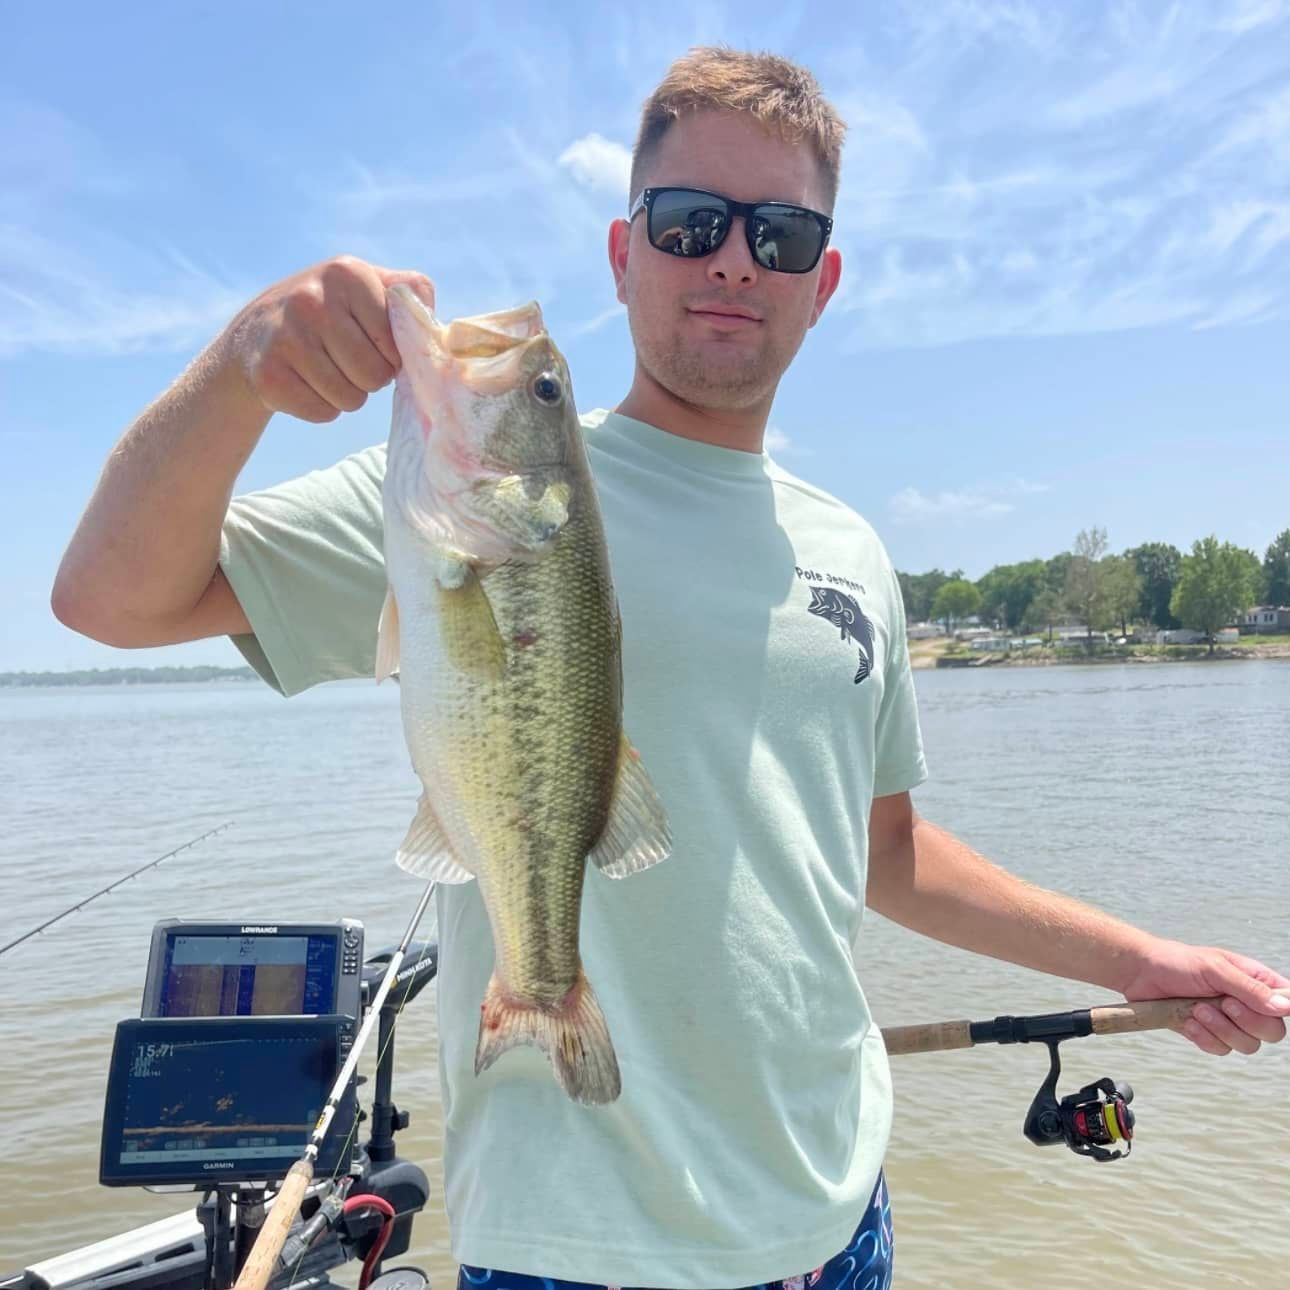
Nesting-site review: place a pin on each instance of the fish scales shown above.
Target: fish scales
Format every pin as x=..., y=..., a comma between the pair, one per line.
x=552, y=720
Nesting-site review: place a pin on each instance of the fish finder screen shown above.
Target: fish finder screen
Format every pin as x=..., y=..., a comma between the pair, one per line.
x=188, y=1106
x=248, y=976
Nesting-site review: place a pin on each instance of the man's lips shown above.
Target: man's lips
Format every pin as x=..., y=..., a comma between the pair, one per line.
x=726, y=315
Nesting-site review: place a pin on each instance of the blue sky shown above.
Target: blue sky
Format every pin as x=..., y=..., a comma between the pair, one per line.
x=1065, y=230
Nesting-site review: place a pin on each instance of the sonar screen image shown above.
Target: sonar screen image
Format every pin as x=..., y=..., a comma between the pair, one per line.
x=231, y=976
x=187, y=1100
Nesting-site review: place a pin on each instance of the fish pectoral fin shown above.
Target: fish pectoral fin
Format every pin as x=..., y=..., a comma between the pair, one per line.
x=425, y=850
x=469, y=628
x=387, y=638
x=636, y=834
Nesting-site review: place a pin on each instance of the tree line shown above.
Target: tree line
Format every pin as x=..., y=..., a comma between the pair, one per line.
x=1153, y=583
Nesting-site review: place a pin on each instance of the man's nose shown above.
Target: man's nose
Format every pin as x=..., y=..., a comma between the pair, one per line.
x=732, y=261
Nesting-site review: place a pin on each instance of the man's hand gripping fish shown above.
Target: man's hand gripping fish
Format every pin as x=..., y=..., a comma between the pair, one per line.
x=502, y=623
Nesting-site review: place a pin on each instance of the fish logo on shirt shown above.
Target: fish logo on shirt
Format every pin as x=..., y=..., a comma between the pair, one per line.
x=845, y=614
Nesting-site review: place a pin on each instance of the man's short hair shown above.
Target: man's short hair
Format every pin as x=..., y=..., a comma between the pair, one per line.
x=781, y=95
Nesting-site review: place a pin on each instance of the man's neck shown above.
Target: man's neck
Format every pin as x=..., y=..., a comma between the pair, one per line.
x=740, y=428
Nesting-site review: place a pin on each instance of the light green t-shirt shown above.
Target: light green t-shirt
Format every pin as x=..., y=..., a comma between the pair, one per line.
x=768, y=690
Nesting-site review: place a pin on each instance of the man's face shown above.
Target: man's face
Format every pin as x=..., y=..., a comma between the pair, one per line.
x=688, y=317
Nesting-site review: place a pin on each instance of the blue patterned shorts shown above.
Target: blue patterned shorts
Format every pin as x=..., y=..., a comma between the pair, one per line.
x=866, y=1263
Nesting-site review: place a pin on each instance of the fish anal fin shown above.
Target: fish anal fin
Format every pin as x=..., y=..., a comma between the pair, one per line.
x=636, y=834
x=425, y=851
x=387, y=638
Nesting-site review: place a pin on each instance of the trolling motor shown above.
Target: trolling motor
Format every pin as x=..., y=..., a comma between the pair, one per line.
x=1093, y=1121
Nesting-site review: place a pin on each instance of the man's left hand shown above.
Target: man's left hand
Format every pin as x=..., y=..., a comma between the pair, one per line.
x=1253, y=998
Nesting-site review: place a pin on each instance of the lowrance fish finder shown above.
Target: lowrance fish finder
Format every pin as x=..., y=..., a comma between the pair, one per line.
x=244, y=1029
x=211, y=1100
x=199, y=969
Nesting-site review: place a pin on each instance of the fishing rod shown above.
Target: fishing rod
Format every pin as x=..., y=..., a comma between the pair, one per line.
x=261, y=1262
x=1089, y=1121
x=80, y=904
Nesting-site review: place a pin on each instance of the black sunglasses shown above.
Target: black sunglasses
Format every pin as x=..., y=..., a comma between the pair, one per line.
x=691, y=222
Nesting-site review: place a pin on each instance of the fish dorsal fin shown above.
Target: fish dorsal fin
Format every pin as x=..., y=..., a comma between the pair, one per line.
x=425, y=850
x=387, y=638
x=636, y=834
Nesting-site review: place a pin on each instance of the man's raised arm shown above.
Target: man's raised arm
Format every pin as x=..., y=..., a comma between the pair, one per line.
x=142, y=566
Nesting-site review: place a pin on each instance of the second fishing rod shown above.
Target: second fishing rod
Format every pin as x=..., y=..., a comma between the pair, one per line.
x=1096, y=1120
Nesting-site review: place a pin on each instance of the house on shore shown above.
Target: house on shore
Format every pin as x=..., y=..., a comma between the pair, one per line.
x=1186, y=636
x=924, y=631
x=1265, y=620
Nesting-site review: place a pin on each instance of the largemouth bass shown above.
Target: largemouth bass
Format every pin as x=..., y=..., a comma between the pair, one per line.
x=502, y=623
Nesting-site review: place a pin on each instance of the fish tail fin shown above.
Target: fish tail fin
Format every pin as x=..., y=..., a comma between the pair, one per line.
x=573, y=1035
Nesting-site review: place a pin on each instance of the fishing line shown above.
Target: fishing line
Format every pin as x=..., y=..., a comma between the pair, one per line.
x=263, y=1258
x=389, y=1039
x=80, y=904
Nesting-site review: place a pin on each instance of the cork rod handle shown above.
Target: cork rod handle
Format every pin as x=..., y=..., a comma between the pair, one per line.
x=263, y=1259
x=1114, y=1019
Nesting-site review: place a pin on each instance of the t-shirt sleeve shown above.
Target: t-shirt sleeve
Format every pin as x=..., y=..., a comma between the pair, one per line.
x=899, y=764
x=306, y=562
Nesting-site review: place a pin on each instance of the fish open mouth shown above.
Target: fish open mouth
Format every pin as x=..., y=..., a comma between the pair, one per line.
x=483, y=351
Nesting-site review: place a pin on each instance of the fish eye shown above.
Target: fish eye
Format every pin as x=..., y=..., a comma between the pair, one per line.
x=547, y=389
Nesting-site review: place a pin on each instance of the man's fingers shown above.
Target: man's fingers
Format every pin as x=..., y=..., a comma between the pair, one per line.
x=1204, y=1040
x=417, y=281
x=1255, y=991
x=315, y=365
x=1269, y=1030
x=1259, y=971
x=290, y=393
x=367, y=305
x=1224, y=1029
x=353, y=352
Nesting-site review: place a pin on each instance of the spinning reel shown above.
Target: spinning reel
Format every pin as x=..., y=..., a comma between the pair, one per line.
x=1088, y=1122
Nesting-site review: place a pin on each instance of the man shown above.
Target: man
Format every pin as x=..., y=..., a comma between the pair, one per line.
x=767, y=687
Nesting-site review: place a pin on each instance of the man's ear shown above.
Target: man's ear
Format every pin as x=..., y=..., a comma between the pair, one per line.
x=620, y=236
x=830, y=276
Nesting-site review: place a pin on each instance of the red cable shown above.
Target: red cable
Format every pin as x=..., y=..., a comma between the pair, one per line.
x=384, y=1208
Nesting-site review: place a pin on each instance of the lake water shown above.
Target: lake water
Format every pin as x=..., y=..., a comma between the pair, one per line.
x=1159, y=792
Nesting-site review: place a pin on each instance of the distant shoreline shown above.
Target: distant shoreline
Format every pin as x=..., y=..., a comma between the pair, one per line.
x=126, y=676
x=926, y=654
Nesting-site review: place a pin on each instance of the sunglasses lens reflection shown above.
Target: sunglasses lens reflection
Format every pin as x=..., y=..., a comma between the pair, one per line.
x=687, y=223
x=691, y=223
x=790, y=241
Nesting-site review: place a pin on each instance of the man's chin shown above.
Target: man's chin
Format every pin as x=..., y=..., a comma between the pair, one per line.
x=718, y=386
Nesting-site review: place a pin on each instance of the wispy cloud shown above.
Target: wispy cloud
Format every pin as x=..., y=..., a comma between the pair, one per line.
x=981, y=502
x=1247, y=15
x=910, y=504
x=591, y=325
x=1262, y=125
x=67, y=283
x=371, y=194
x=780, y=444
x=1143, y=180
x=599, y=163
x=96, y=294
